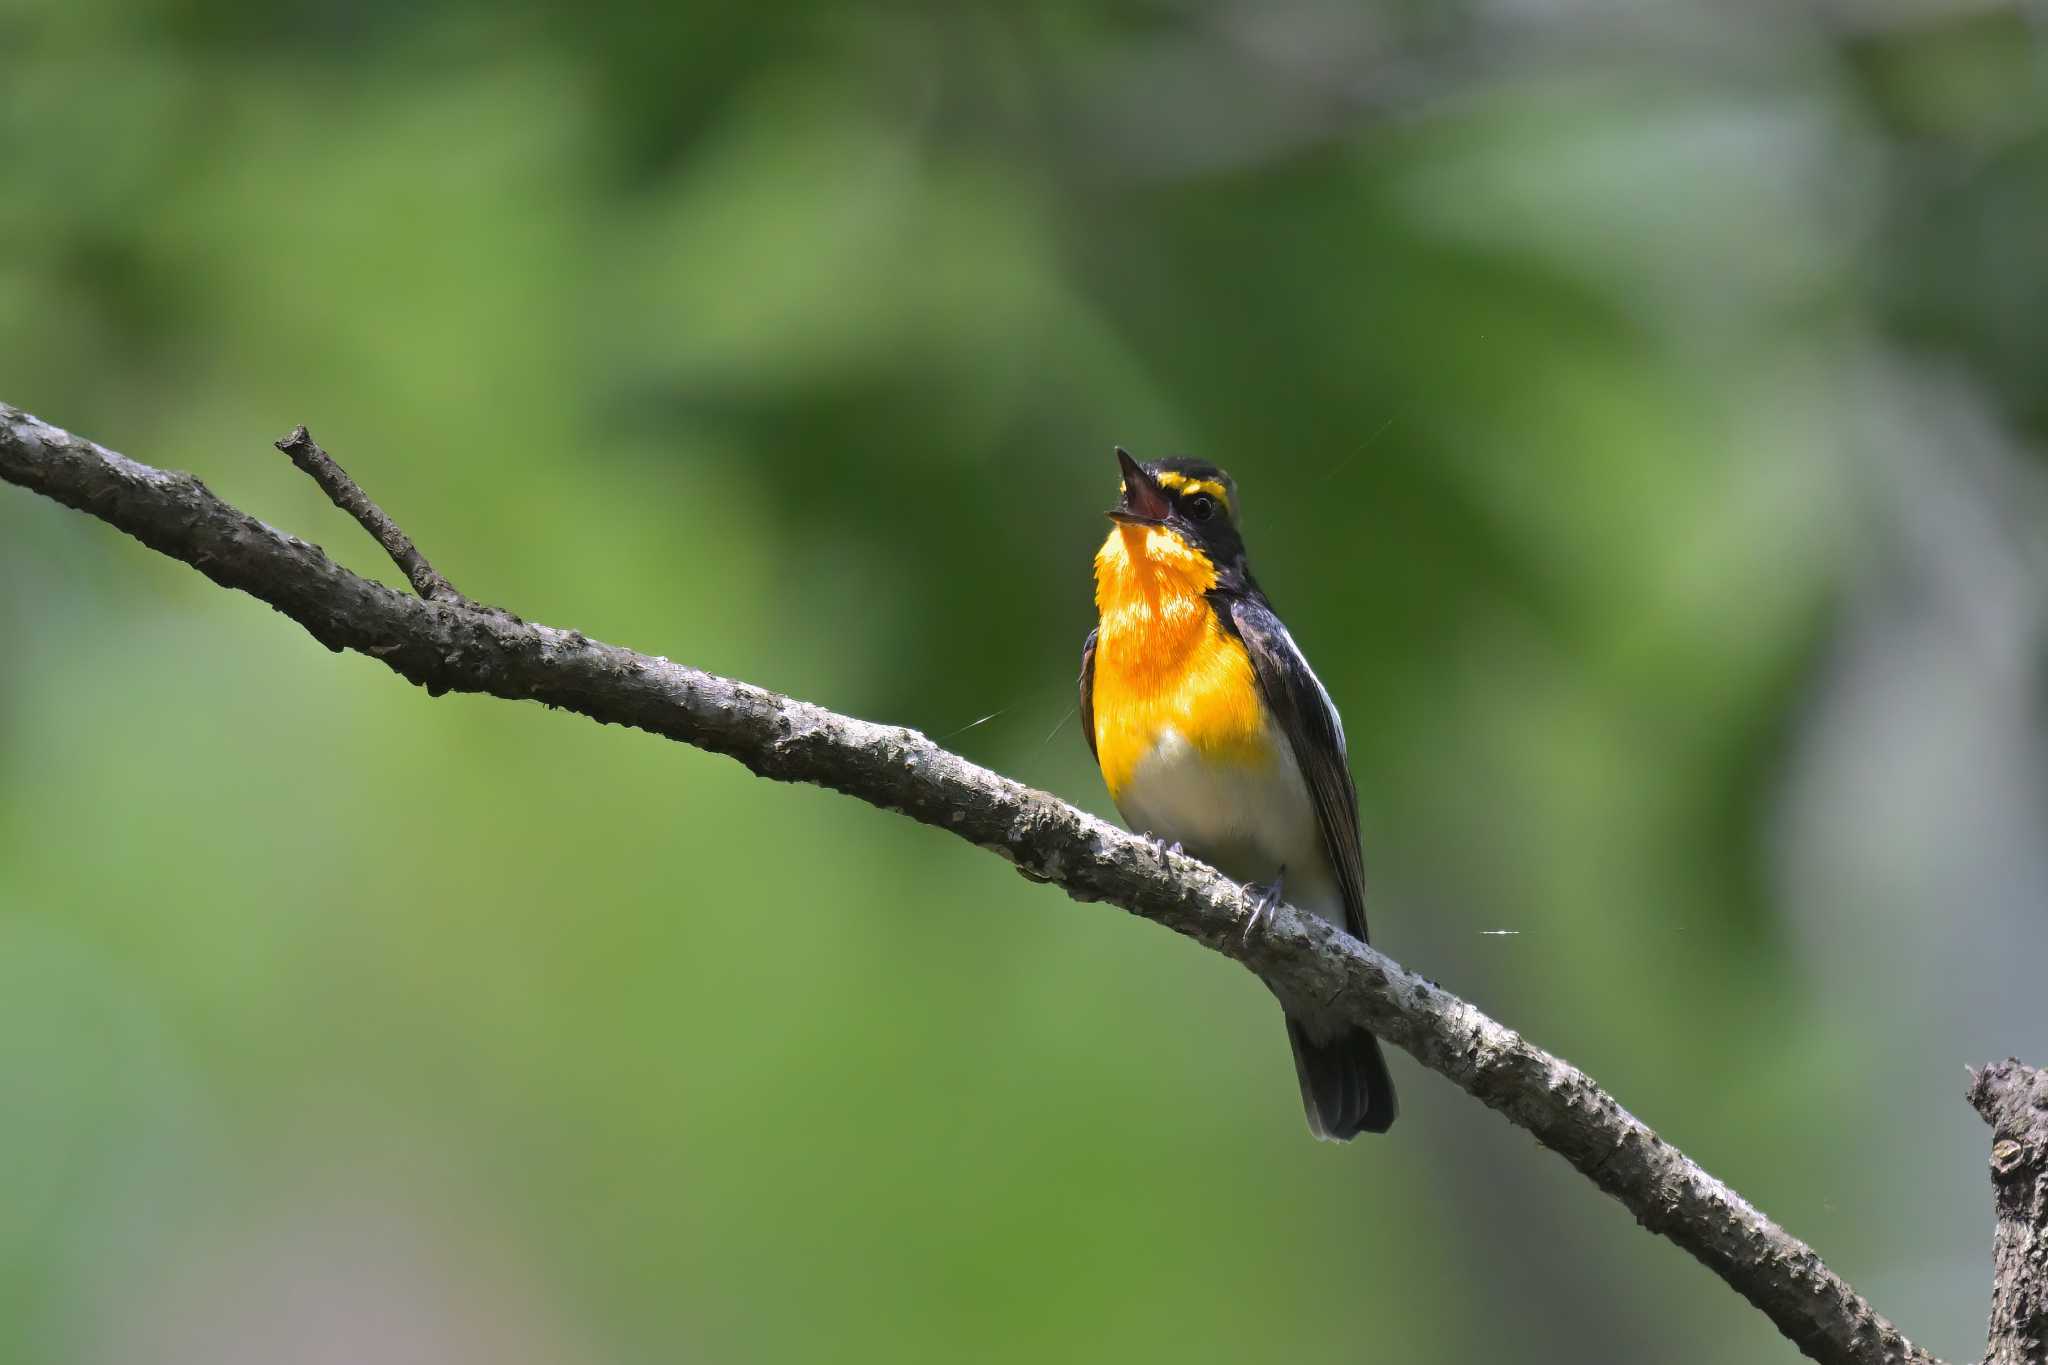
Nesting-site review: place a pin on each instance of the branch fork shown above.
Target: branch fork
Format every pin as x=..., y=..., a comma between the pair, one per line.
x=346, y=494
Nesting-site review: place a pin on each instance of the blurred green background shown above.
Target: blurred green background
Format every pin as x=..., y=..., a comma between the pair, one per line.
x=1639, y=417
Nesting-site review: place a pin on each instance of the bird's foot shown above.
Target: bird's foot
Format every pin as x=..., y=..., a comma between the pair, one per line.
x=1161, y=844
x=1266, y=899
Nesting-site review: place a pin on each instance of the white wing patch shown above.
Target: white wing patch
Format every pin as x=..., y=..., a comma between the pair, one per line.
x=1329, y=707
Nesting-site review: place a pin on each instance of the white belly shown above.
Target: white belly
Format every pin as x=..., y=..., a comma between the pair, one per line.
x=1247, y=822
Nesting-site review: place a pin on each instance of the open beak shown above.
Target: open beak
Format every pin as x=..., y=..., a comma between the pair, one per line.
x=1144, y=504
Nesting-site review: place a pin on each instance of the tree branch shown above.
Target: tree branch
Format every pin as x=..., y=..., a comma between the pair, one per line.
x=444, y=644
x=2014, y=1100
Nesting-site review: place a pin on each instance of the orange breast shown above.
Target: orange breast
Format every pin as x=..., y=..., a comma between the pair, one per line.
x=1163, y=659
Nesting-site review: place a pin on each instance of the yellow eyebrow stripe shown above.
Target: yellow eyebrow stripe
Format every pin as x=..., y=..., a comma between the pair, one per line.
x=1181, y=483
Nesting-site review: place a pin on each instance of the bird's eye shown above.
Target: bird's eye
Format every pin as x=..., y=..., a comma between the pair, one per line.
x=1201, y=507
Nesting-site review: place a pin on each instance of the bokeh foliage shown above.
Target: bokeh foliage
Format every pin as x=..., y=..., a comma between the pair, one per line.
x=1639, y=416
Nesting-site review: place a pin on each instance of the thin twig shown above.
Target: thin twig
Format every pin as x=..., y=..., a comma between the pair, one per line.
x=350, y=498
x=1307, y=962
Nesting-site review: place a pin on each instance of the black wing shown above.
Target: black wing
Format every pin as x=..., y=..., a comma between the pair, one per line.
x=1088, y=690
x=1309, y=720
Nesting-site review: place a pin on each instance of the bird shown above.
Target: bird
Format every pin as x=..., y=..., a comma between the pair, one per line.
x=1213, y=732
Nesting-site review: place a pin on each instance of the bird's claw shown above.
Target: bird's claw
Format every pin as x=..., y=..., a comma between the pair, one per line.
x=1162, y=845
x=1266, y=900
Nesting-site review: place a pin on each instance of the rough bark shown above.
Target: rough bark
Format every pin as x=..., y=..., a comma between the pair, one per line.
x=2014, y=1100
x=444, y=644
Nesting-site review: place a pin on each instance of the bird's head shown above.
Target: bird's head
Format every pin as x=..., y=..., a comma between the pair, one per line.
x=1177, y=512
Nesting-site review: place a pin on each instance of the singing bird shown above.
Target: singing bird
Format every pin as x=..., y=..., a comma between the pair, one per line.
x=1213, y=732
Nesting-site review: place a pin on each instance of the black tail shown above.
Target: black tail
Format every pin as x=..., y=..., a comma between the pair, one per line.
x=1344, y=1083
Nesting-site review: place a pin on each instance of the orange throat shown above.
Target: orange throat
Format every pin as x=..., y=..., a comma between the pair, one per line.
x=1163, y=661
